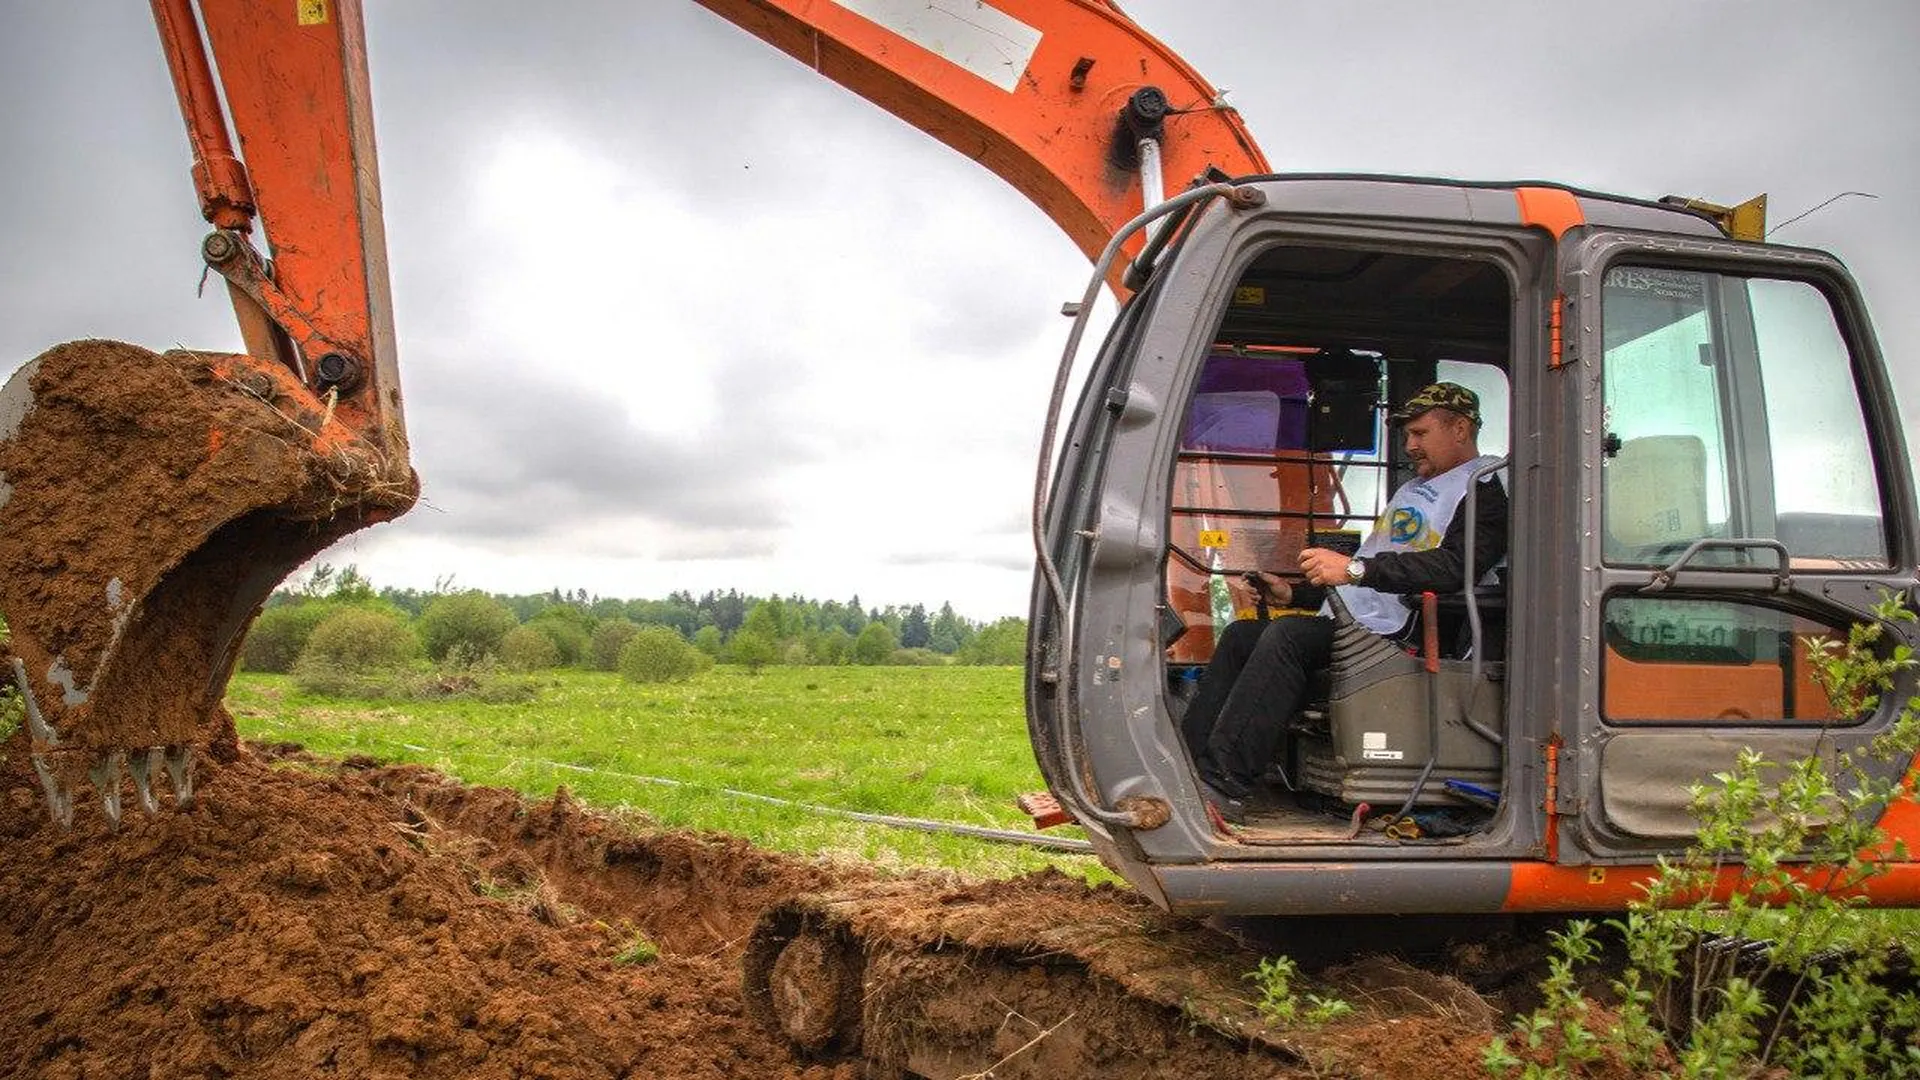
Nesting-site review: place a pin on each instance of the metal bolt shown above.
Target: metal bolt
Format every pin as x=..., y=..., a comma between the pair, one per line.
x=219, y=247
x=338, y=370
x=1247, y=198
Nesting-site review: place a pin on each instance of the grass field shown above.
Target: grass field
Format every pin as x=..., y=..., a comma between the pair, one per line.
x=932, y=742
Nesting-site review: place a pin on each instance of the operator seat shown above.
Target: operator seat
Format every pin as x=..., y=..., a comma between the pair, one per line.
x=1376, y=739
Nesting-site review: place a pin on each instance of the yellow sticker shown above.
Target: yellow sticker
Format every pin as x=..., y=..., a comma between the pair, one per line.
x=1250, y=295
x=1213, y=538
x=1596, y=875
x=311, y=12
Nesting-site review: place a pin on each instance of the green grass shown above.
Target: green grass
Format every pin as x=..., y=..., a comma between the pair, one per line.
x=935, y=742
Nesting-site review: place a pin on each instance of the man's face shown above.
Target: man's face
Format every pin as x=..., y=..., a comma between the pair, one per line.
x=1437, y=440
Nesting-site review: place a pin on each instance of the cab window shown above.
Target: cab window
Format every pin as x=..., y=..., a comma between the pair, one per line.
x=1732, y=412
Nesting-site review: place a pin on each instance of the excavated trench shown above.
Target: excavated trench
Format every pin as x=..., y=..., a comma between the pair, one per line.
x=307, y=918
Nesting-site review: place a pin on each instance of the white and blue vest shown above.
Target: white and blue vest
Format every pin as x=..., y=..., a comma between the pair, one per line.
x=1416, y=519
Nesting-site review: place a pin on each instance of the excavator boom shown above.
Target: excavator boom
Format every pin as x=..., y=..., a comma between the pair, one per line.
x=149, y=503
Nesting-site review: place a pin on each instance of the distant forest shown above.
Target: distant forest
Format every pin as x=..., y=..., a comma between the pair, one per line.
x=762, y=629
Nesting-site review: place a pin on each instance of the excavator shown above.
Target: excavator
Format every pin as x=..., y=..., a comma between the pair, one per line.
x=1695, y=430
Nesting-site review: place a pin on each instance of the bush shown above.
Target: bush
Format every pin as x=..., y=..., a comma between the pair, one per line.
x=355, y=651
x=752, y=650
x=471, y=619
x=1002, y=643
x=708, y=640
x=830, y=647
x=528, y=648
x=1799, y=839
x=570, y=639
x=875, y=644
x=659, y=654
x=362, y=639
x=278, y=636
x=916, y=657
x=609, y=637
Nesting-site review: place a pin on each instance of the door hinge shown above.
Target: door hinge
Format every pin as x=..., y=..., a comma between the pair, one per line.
x=1553, y=331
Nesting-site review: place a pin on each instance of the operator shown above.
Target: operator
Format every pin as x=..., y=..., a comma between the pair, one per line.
x=1258, y=674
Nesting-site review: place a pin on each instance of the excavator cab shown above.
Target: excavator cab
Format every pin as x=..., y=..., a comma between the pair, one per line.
x=1705, y=475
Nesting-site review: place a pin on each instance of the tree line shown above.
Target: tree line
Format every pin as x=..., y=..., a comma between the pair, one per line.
x=558, y=629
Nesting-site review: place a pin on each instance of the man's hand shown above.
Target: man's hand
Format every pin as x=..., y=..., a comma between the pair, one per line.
x=1324, y=567
x=1277, y=589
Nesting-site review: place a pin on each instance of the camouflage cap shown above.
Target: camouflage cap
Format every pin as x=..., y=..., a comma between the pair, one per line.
x=1441, y=395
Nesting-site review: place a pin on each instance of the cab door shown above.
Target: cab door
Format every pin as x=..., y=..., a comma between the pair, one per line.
x=1360, y=263
x=1741, y=486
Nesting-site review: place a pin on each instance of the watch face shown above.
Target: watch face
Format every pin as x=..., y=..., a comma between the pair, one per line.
x=1355, y=568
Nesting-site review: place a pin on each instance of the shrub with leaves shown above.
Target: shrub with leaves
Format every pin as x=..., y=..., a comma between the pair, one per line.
x=875, y=644
x=569, y=630
x=1732, y=966
x=469, y=619
x=280, y=634
x=526, y=648
x=709, y=640
x=608, y=638
x=658, y=654
x=356, y=651
x=752, y=649
x=915, y=657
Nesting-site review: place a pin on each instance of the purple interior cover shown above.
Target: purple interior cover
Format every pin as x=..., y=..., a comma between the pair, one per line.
x=1248, y=404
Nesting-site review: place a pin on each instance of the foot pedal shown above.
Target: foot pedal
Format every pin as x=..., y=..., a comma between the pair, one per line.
x=1043, y=808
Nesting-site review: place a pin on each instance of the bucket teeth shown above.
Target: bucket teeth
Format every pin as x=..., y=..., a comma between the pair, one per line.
x=37, y=726
x=59, y=801
x=107, y=770
x=105, y=775
x=140, y=764
x=179, y=762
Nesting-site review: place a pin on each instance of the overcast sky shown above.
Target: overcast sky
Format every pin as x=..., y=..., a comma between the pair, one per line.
x=676, y=313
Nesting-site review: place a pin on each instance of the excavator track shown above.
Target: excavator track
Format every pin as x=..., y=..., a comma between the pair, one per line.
x=1010, y=979
x=149, y=503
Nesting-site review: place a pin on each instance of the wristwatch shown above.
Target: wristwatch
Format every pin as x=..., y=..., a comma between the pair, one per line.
x=1356, y=569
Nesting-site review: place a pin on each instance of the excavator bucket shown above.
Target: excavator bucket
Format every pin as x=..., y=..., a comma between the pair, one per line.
x=149, y=503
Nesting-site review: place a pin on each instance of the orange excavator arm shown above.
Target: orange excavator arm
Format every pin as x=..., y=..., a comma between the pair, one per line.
x=1054, y=96
x=297, y=96
x=149, y=503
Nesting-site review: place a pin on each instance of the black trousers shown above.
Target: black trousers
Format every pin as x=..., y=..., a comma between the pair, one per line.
x=1251, y=688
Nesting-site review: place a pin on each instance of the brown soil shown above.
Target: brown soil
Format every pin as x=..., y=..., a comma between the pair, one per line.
x=291, y=924
x=305, y=919
x=156, y=500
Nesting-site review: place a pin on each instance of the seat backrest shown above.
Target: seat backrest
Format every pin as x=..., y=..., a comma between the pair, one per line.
x=1656, y=494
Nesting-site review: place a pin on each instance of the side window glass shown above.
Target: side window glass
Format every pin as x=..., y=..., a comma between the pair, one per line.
x=1732, y=412
x=1718, y=661
x=1826, y=493
x=1666, y=466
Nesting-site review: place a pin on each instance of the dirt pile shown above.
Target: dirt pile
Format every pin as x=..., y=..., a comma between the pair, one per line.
x=295, y=925
x=307, y=919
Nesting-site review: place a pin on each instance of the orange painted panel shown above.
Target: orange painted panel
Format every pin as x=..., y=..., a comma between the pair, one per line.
x=1735, y=693
x=1049, y=136
x=1543, y=887
x=1810, y=702
x=1553, y=209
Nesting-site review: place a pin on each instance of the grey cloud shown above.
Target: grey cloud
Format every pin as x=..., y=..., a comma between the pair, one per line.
x=506, y=455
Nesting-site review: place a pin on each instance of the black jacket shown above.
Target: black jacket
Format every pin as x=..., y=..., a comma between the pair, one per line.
x=1439, y=569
